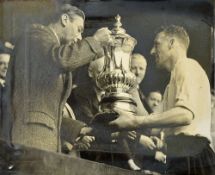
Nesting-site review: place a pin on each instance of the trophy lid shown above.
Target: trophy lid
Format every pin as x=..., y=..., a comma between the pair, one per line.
x=120, y=33
x=117, y=30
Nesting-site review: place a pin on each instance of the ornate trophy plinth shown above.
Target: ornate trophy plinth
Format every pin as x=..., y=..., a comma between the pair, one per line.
x=116, y=78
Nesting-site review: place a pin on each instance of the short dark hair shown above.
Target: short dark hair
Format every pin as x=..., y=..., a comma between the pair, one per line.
x=70, y=10
x=153, y=91
x=4, y=49
x=179, y=32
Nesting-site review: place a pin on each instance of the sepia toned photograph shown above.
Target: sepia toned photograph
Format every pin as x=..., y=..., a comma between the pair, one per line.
x=107, y=87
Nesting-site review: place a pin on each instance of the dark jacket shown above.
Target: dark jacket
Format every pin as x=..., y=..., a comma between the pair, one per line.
x=39, y=83
x=84, y=102
x=2, y=89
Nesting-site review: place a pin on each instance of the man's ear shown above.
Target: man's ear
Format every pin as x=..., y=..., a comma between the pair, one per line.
x=171, y=43
x=64, y=19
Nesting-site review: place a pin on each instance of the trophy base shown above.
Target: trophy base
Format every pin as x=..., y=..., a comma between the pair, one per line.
x=120, y=101
x=111, y=101
x=105, y=117
x=100, y=124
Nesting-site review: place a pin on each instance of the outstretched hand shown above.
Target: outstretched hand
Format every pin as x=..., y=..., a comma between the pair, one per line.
x=125, y=121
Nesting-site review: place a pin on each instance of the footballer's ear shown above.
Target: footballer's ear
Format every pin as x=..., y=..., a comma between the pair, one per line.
x=64, y=19
x=171, y=43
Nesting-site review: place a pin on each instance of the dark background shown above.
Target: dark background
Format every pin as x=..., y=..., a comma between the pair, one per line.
x=141, y=19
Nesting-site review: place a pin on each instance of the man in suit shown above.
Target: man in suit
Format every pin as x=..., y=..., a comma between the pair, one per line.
x=85, y=98
x=39, y=79
x=138, y=67
x=4, y=61
x=5, y=54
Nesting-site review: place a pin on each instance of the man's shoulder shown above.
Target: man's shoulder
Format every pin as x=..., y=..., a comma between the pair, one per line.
x=190, y=70
x=39, y=28
x=187, y=66
x=41, y=32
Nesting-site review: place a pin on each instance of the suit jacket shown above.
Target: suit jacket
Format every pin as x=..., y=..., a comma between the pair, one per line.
x=39, y=83
x=84, y=102
x=2, y=89
x=145, y=104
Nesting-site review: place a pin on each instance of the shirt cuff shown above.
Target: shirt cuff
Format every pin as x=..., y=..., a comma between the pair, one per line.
x=185, y=105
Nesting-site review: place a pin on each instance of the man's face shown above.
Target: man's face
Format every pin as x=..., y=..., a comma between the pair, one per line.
x=73, y=29
x=4, y=60
x=138, y=67
x=161, y=50
x=153, y=100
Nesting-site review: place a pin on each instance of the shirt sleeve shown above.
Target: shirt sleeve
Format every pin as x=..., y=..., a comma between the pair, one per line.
x=187, y=86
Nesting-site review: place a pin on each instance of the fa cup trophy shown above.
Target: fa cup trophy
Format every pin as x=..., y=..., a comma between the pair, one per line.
x=116, y=78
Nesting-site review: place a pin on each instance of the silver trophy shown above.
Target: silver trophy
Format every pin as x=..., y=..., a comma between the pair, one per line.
x=116, y=79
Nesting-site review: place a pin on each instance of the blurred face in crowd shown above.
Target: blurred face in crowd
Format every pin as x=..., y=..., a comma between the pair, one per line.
x=4, y=61
x=153, y=100
x=95, y=68
x=72, y=28
x=162, y=50
x=138, y=67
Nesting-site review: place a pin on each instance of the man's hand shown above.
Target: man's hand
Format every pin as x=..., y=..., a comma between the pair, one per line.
x=147, y=142
x=103, y=36
x=125, y=121
x=158, y=142
x=160, y=156
x=83, y=143
x=131, y=135
x=86, y=130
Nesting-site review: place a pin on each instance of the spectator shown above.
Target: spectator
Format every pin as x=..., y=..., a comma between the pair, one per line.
x=4, y=61
x=86, y=97
x=153, y=101
x=5, y=54
x=138, y=67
